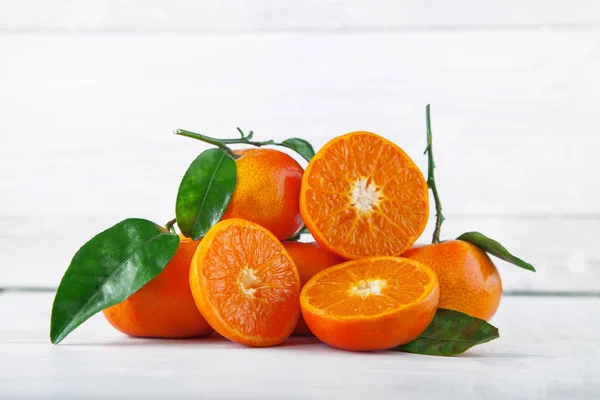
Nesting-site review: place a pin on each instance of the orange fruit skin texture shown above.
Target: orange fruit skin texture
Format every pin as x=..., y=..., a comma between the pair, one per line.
x=233, y=259
x=310, y=259
x=164, y=307
x=469, y=280
x=396, y=323
x=366, y=166
x=267, y=191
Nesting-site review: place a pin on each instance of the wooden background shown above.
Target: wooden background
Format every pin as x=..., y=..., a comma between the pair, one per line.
x=91, y=91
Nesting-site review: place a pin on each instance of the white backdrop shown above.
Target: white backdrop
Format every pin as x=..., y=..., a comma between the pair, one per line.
x=91, y=91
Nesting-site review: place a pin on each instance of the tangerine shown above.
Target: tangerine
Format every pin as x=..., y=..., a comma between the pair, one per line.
x=164, y=307
x=245, y=283
x=267, y=191
x=363, y=196
x=373, y=303
x=469, y=280
x=310, y=259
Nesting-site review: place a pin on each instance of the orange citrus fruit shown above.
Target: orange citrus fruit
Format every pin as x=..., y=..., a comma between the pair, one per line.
x=363, y=196
x=164, y=307
x=469, y=280
x=309, y=259
x=245, y=283
x=267, y=190
x=374, y=303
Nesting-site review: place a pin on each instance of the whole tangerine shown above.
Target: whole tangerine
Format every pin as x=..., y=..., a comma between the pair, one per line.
x=267, y=191
x=164, y=307
x=469, y=280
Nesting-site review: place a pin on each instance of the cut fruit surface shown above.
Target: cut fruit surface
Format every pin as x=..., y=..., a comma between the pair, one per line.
x=245, y=283
x=363, y=196
x=369, y=304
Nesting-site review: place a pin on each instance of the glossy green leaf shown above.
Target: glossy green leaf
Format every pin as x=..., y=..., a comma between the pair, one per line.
x=451, y=333
x=298, y=235
x=300, y=146
x=205, y=192
x=109, y=268
x=494, y=248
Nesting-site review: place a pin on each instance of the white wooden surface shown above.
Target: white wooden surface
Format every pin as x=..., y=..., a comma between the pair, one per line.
x=548, y=349
x=90, y=92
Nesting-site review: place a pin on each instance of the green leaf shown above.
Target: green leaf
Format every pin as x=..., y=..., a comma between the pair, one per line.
x=451, y=333
x=108, y=269
x=494, y=248
x=300, y=146
x=205, y=192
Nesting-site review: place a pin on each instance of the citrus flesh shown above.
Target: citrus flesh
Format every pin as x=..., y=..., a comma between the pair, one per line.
x=245, y=283
x=374, y=303
x=363, y=196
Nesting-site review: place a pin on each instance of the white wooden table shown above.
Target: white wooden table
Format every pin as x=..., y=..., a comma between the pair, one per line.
x=548, y=348
x=90, y=92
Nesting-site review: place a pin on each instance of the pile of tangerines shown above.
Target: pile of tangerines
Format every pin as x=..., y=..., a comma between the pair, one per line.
x=236, y=266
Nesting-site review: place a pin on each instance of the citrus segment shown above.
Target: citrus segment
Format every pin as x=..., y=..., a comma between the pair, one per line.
x=245, y=283
x=373, y=303
x=363, y=196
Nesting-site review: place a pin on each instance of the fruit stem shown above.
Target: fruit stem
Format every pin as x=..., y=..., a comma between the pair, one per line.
x=222, y=143
x=169, y=226
x=439, y=220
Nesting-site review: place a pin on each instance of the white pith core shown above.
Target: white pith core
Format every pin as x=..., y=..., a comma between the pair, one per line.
x=368, y=288
x=364, y=195
x=248, y=282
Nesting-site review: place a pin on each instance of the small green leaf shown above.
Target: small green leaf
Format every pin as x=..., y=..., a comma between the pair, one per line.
x=451, y=333
x=494, y=248
x=205, y=192
x=109, y=268
x=297, y=236
x=300, y=146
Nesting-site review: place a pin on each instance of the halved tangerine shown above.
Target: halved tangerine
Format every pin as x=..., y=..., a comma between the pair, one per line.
x=362, y=196
x=374, y=303
x=245, y=283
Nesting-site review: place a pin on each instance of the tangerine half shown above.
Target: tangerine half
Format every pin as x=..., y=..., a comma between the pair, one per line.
x=374, y=303
x=245, y=283
x=363, y=196
x=310, y=259
x=267, y=191
x=164, y=307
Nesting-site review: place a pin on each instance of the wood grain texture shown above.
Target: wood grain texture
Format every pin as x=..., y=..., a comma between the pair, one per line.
x=548, y=349
x=304, y=15
x=36, y=252
x=87, y=120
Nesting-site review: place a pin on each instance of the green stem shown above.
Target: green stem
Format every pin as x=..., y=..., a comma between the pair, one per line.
x=220, y=143
x=439, y=220
x=169, y=226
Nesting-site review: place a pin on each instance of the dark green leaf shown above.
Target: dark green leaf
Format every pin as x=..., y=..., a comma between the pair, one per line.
x=494, y=248
x=451, y=333
x=205, y=192
x=109, y=268
x=300, y=146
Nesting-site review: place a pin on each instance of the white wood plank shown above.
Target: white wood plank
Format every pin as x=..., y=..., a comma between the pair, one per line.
x=36, y=251
x=228, y=15
x=87, y=120
x=548, y=349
